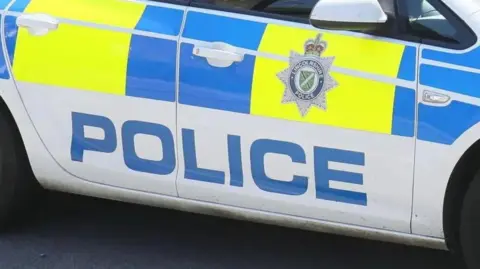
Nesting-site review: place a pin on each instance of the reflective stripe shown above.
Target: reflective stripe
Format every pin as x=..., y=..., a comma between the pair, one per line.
x=151, y=68
x=74, y=57
x=467, y=59
x=153, y=18
x=357, y=103
x=124, y=14
x=403, y=120
x=361, y=54
x=446, y=124
x=79, y=56
x=236, y=32
x=225, y=89
x=448, y=79
x=456, y=73
x=408, y=65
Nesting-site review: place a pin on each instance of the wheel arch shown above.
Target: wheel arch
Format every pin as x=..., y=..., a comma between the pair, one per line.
x=462, y=175
x=5, y=110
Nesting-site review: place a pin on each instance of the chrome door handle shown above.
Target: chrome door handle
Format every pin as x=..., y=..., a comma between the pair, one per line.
x=37, y=24
x=218, y=54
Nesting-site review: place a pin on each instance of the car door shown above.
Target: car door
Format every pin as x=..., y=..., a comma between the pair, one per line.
x=448, y=108
x=251, y=141
x=98, y=81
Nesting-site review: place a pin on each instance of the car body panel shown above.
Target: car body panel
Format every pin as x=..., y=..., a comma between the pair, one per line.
x=227, y=146
x=364, y=116
x=445, y=131
x=88, y=65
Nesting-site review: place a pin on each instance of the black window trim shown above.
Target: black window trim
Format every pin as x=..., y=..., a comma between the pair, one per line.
x=469, y=38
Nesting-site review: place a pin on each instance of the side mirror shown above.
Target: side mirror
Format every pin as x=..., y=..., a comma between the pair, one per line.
x=363, y=15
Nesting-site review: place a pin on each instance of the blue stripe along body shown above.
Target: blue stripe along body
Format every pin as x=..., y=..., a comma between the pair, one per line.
x=230, y=90
x=446, y=124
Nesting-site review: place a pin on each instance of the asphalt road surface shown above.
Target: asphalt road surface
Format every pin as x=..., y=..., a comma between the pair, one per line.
x=79, y=232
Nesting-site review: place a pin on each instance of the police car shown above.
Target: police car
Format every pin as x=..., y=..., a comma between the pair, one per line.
x=355, y=117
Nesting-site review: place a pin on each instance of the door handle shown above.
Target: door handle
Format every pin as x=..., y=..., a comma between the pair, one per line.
x=37, y=24
x=218, y=54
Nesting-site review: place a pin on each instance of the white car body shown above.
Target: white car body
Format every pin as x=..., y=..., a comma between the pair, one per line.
x=404, y=179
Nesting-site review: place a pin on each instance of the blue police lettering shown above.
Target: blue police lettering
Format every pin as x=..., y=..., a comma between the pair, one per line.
x=108, y=144
x=290, y=185
x=80, y=143
x=164, y=166
x=192, y=171
x=298, y=185
x=323, y=175
x=235, y=160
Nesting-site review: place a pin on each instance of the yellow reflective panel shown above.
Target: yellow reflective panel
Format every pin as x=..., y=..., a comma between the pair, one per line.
x=361, y=54
x=74, y=57
x=356, y=103
x=120, y=13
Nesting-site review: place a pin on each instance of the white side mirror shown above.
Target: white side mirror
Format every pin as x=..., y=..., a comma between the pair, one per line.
x=348, y=15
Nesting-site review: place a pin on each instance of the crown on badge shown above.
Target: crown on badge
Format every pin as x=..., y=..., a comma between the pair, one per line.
x=315, y=47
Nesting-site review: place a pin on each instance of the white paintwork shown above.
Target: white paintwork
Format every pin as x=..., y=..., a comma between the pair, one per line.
x=352, y=11
x=386, y=178
x=55, y=112
x=390, y=193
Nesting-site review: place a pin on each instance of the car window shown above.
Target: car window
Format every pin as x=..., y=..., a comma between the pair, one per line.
x=428, y=22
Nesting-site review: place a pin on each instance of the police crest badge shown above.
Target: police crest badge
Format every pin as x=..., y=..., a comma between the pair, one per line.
x=307, y=78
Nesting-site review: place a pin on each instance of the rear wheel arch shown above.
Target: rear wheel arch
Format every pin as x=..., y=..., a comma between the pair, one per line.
x=19, y=188
x=5, y=111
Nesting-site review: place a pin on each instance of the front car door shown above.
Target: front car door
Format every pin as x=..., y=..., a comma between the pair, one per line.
x=448, y=107
x=249, y=140
x=98, y=80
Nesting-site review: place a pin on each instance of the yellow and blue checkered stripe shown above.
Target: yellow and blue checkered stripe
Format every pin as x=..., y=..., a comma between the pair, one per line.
x=87, y=57
x=124, y=63
x=252, y=87
x=96, y=59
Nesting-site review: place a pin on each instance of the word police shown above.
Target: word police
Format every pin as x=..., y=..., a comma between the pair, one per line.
x=296, y=185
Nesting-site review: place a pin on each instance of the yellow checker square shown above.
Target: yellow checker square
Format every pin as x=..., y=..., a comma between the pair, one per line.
x=74, y=57
x=357, y=53
x=356, y=103
x=120, y=13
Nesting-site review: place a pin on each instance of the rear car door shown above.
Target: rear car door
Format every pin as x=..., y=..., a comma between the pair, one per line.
x=251, y=141
x=98, y=80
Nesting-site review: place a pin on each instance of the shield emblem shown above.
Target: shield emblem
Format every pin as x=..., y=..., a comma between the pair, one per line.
x=307, y=80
